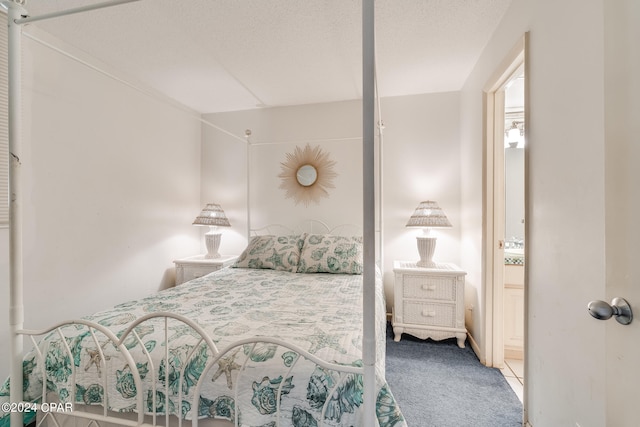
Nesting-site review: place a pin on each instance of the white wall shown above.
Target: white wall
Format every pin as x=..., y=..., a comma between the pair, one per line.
x=565, y=363
x=421, y=162
x=111, y=186
x=224, y=181
x=276, y=132
x=421, y=151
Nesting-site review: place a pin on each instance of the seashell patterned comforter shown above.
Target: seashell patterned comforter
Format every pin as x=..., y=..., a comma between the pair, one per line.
x=321, y=313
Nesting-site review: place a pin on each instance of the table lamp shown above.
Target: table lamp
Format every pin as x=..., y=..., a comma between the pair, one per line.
x=428, y=215
x=213, y=216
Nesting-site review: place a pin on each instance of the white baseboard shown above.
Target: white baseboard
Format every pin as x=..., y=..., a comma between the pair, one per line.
x=476, y=349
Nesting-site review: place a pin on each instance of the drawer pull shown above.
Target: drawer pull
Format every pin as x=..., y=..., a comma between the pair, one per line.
x=428, y=313
x=429, y=287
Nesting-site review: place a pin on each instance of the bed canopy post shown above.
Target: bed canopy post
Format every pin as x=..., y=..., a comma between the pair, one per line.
x=369, y=229
x=16, y=301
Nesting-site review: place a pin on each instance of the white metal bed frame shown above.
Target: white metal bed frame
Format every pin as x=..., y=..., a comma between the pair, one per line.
x=58, y=415
x=17, y=16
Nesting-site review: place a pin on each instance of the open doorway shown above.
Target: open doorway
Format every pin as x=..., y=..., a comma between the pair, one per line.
x=504, y=231
x=514, y=231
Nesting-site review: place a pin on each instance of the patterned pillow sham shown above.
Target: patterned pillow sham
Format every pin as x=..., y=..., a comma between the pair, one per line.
x=272, y=252
x=325, y=253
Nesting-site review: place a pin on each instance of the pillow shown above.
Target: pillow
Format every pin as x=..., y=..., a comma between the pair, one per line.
x=273, y=252
x=326, y=253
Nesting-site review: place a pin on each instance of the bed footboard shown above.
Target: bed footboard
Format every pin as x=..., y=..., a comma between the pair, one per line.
x=95, y=377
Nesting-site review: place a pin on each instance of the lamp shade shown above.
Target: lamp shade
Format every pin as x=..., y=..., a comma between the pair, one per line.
x=212, y=215
x=428, y=214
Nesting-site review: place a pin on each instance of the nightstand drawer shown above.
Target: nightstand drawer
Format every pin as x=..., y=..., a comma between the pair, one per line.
x=429, y=287
x=435, y=314
x=198, y=266
x=195, y=272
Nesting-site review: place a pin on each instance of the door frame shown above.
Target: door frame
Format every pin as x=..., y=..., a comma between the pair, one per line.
x=493, y=206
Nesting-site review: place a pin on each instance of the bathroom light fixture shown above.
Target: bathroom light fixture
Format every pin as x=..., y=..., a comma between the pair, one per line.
x=514, y=135
x=428, y=215
x=213, y=216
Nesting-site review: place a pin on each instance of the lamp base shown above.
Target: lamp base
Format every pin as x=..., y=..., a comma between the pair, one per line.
x=426, y=249
x=212, y=241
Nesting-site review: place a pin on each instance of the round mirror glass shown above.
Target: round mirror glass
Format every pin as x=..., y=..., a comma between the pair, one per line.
x=306, y=175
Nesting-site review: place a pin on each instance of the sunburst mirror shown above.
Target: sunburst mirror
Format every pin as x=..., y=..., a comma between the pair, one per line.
x=306, y=175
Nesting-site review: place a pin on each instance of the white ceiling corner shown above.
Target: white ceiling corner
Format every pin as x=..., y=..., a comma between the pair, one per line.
x=226, y=55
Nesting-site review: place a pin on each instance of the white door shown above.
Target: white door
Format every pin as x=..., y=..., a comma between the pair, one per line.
x=580, y=371
x=622, y=207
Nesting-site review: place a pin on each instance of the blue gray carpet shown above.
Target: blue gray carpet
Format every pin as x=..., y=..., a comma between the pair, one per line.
x=438, y=384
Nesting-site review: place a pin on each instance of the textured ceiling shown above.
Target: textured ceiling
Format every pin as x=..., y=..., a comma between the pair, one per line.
x=225, y=55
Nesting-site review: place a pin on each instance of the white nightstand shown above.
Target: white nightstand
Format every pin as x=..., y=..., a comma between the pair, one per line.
x=197, y=266
x=429, y=302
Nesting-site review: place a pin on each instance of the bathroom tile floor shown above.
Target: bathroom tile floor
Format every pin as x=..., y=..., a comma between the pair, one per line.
x=513, y=372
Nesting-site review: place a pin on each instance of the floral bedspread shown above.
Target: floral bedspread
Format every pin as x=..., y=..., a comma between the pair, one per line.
x=321, y=313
